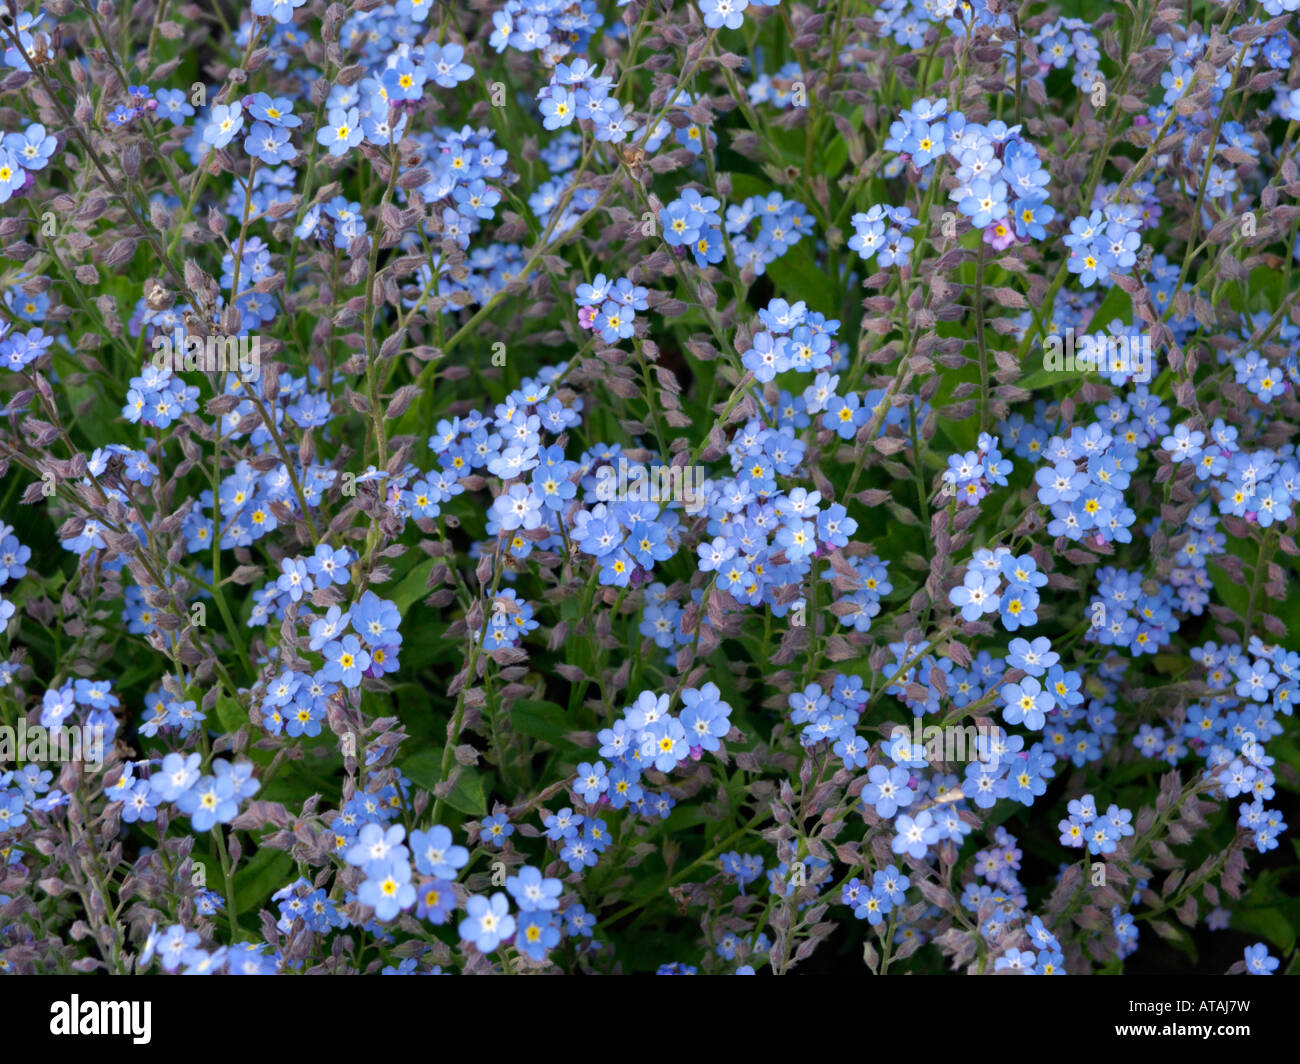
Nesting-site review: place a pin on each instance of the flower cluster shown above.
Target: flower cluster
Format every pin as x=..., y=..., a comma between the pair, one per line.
x=1001, y=184
x=570, y=486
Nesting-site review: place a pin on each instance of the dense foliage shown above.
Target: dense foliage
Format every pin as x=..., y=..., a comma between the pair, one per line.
x=629, y=486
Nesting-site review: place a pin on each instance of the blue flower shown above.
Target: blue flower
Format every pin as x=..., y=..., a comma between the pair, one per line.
x=851, y=748
x=277, y=111
x=578, y=853
x=1031, y=217
x=12, y=816
x=591, y=782
x=578, y=922
x=1064, y=687
x=538, y=932
x=562, y=825
x=376, y=620
x=915, y=835
x=707, y=247
x=1022, y=569
x=976, y=595
x=532, y=892
x=496, y=829
x=436, y=854
x=476, y=200
x=558, y=109
x=720, y=13
x=342, y=132
x=435, y=899
x=1016, y=960
x=269, y=143
x=209, y=801
x=280, y=11
x=614, y=322
x=984, y=202
x=888, y=790
x=175, y=106
x=487, y=922
x=224, y=124
x=387, y=887
x=345, y=661
x=1026, y=703
x=377, y=843
x=444, y=64
x=330, y=565
x=1018, y=607
x=32, y=148
x=705, y=718
x=798, y=538
x=172, y=947
x=663, y=743
x=1028, y=774
x=294, y=580
x=177, y=774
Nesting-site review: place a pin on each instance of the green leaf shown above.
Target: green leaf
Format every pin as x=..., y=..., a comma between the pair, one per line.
x=541, y=720
x=1282, y=748
x=260, y=877
x=412, y=586
x=1170, y=664
x=425, y=768
x=1271, y=923
x=1233, y=594
x=231, y=714
x=798, y=273
x=682, y=817
x=468, y=795
x=745, y=185
x=834, y=158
